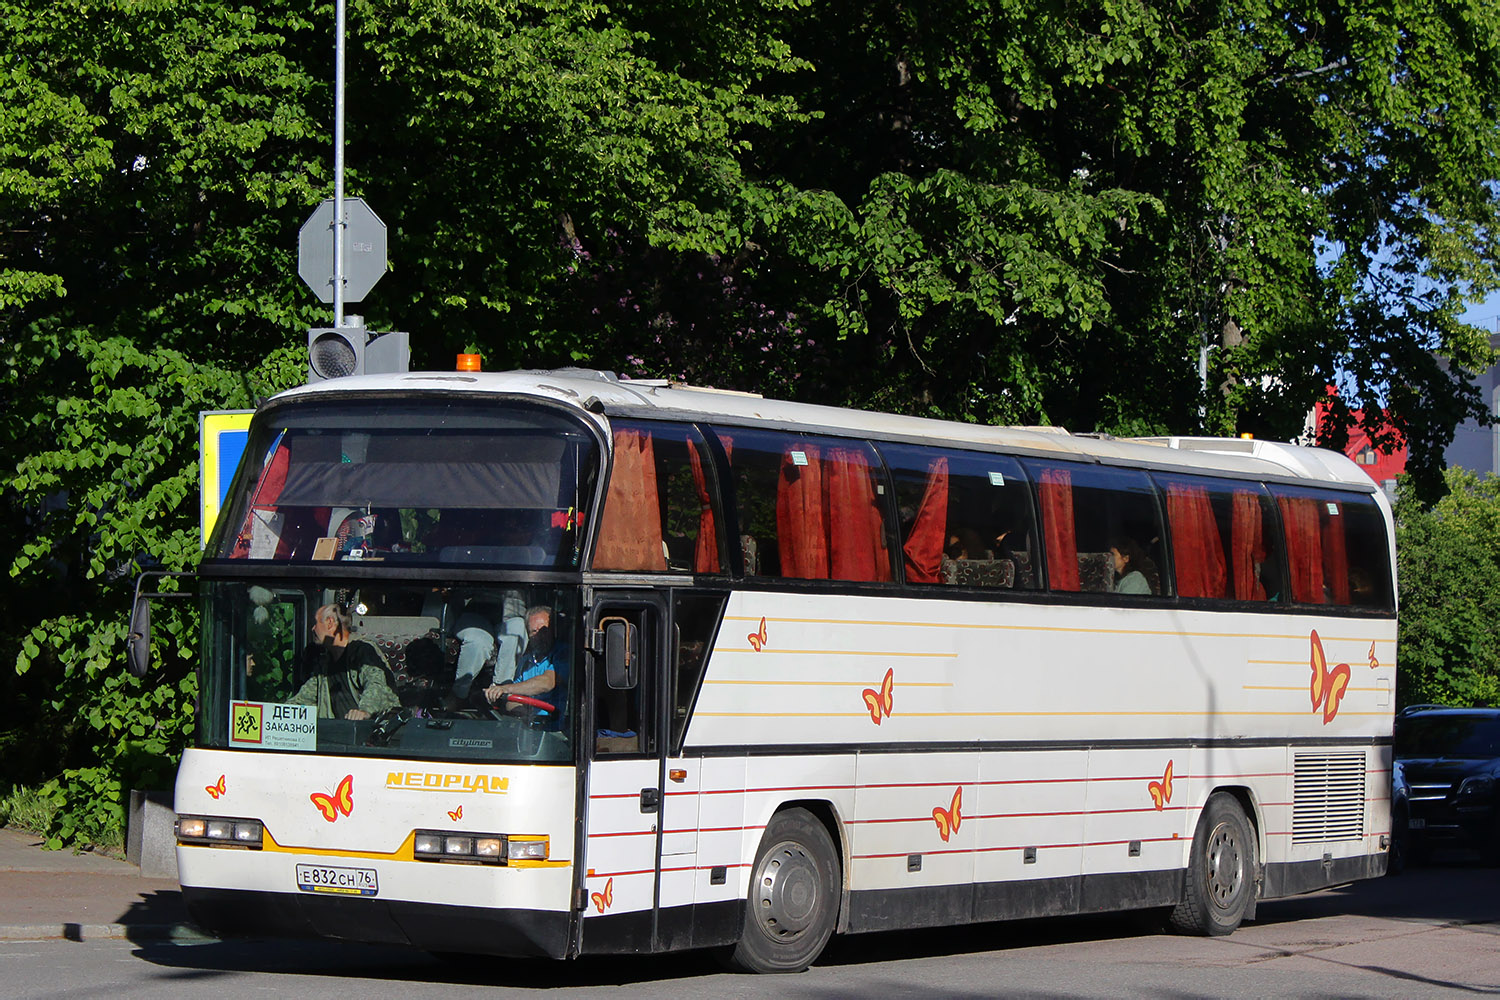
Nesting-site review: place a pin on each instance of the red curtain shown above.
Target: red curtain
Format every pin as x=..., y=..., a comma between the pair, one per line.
x=1056, y=493
x=1197, y=549
x=630, y=530
x=706, y=551
x=801, y=522
x=923, y=551
x=1248, y=546
x=1335, y=557
x=1304, y=548
x=856, y=531
x=267, y=491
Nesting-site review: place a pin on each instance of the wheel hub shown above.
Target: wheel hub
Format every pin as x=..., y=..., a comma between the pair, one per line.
x=1226, y=866
x=786, y=892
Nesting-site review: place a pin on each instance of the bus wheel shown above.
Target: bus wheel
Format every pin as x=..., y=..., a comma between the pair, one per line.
x=793, y=901
x=1220, y=882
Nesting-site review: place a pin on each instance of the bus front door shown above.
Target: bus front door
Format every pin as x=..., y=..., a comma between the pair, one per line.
x=629, y=812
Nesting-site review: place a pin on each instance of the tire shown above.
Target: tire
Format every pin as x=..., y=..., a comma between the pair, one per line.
x=1219, y=886
x=792, y=905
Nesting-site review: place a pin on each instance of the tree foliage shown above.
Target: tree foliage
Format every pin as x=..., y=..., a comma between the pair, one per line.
x=1449, y=563
x=1001, y=211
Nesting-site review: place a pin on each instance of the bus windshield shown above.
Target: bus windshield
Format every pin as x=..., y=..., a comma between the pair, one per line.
x=478, y=672
x=392, y=481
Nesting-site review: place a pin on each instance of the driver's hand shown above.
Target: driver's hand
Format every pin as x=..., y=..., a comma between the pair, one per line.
x=495, y=692
x=356, y=714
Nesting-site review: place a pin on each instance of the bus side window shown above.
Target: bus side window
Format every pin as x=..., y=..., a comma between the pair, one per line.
x=620, y=718
x=1091, y=513
x=1224, y=539
x=966, y=517
x=661, y=513
x=810, y=508
x=1335, y=547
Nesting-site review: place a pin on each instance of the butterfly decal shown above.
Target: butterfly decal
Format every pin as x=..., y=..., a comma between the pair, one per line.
x=879, y=702
x=341, y=801
x=456, y=814
x=1374, y=663
x=216, y=789
x=758, y=639
x=604, y=900
x=948, y=820
x=1161, y=791
x=1328, y=686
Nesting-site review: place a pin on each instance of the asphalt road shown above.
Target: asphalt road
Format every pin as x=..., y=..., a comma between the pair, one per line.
x=1431, y=932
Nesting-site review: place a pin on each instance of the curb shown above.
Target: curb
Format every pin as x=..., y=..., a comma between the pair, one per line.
x=179, y=932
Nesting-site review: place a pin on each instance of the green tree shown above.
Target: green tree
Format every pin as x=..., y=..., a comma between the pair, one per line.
x=1448, y=556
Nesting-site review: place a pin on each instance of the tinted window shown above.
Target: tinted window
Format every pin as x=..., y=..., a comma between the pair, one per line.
x=1448, y=736
x=1336, y=547
x=1101, y=529
x=661, y=509
x=413, y=481
x=810, y=508
x=1225, y=538
x=966, y=517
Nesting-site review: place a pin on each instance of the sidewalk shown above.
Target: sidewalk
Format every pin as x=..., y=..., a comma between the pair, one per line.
x=59, y=894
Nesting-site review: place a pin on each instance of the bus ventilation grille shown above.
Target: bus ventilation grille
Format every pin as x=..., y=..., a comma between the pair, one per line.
x=1328, y=797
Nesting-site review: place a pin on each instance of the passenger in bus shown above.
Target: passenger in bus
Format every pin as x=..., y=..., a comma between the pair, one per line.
x=1134, y=571
x=542, y=670
x=350, y=678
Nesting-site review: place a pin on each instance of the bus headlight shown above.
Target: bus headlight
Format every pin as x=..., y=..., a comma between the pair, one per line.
x=483, y=848
x=219, y=831
x=530, y=849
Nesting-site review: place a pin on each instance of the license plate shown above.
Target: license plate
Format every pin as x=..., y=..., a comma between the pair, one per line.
x=340, y=881
x=1416, y=824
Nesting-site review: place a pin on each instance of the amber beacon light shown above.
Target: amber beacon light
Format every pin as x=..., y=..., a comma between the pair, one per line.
x=467, y=363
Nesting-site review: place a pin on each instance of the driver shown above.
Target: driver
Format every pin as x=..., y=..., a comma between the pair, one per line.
x=540, y=669
x=349, y=677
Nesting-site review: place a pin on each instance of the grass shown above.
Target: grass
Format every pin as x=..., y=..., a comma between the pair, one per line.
x=25, y=809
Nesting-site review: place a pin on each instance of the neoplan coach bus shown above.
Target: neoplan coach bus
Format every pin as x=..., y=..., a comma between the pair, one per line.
x=554, y=664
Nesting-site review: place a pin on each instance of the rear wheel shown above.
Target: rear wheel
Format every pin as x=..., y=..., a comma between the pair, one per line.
x=793, y=900
x=1220, y=882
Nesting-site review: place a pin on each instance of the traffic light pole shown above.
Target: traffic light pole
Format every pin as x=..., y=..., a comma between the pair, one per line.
x=340, y=224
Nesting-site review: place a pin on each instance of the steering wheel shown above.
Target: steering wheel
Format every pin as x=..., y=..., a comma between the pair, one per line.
x=524, y=699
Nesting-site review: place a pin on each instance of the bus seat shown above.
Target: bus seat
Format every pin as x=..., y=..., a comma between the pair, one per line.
x=1096, y=572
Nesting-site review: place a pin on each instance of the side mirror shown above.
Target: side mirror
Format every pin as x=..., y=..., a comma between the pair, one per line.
x=620, y=661
x=138, y=639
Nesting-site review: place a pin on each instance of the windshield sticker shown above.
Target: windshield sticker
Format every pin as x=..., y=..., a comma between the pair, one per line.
x=273, y=726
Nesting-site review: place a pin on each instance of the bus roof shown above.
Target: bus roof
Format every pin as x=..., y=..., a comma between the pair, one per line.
x=602, y=392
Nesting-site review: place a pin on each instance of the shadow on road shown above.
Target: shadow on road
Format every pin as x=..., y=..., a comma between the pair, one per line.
x=1445, y=893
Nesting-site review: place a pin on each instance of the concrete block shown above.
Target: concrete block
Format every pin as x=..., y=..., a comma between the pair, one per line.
x=149, y=840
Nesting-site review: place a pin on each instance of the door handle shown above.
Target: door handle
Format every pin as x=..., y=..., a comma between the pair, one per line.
x=650, y=800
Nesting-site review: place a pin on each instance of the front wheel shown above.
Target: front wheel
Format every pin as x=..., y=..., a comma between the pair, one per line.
x=793, y=899
x=1220, y=882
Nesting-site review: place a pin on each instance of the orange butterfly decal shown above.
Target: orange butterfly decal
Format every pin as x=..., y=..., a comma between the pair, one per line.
x=879, y=702
x=948, y=820
x=758, y=639
x=456, y=814
x=341, y=801
x=1373, y=662
x=1161, y=791
x=604, y=900
x=215, y=790
x=1328, y=686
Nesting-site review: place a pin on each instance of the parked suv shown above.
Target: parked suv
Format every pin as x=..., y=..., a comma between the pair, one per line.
x=1450, y=761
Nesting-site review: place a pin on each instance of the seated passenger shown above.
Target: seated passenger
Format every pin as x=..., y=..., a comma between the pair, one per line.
x=542, y=670
x=350, y=679
x=1135, y=572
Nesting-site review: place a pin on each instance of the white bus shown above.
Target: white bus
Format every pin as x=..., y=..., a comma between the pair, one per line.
x=555, y=664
